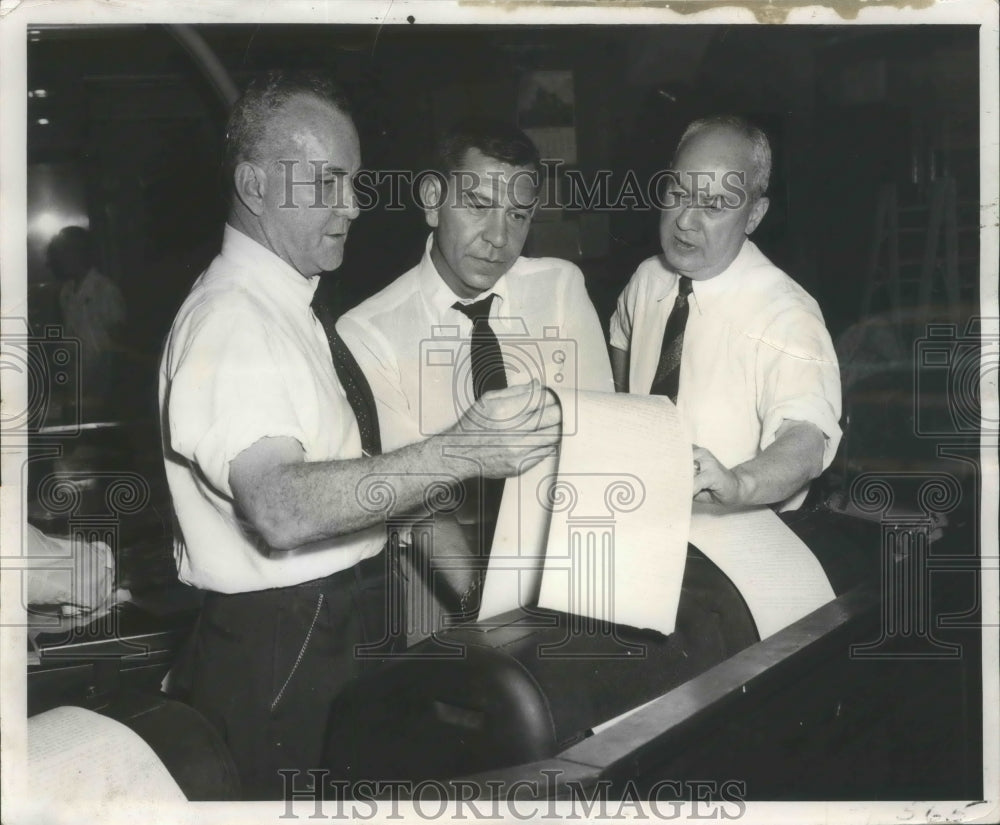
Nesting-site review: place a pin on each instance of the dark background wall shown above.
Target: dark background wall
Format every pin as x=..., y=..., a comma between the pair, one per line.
x=133, y=140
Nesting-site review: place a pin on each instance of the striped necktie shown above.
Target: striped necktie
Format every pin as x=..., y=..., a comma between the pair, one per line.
x=668, y=371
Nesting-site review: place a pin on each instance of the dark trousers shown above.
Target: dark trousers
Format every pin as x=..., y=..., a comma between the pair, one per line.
x=264, y=667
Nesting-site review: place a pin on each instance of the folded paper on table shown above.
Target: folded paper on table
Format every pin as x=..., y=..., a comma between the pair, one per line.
x=603, y=534
x=778, y=576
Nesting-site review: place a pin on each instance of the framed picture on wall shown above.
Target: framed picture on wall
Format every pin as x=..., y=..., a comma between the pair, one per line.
x=546, y=112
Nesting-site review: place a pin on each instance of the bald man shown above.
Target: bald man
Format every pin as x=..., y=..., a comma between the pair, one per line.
x=738, y=345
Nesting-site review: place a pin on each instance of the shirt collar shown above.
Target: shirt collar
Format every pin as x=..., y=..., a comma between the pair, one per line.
x=269, y=273
x=708, y=292
x=440, y=298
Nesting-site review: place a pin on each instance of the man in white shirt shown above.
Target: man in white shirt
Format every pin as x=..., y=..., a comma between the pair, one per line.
x=752, y=371
x=417, y=339
x=263, y=444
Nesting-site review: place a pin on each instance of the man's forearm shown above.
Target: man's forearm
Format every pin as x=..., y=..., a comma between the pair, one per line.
x=308, y=501
x=790, y=462
x=291, y=501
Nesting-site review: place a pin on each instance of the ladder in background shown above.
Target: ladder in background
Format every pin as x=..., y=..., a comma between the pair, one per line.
x=936, y=220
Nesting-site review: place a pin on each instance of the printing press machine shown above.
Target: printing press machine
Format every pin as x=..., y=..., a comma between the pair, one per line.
x=871, y=696
x=804, y=714
x=526, y=696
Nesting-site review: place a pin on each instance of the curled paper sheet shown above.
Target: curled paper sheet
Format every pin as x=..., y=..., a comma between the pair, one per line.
x=602, y=532
x=778, y=576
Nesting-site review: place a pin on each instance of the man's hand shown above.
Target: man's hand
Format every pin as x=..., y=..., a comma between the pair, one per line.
x=290, y=501
x=508, y=431
x=713, y=482
x=790, y=462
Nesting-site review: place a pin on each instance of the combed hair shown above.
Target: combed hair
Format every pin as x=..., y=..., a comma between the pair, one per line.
x=760, y=147
x=247, y=129
x=494, y=138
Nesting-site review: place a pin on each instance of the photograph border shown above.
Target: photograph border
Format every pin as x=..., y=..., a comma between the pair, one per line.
x=15, y=19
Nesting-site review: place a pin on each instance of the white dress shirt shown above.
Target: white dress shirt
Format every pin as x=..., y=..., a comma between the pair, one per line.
x=246, y=359
x=413, y=345
x=756, y=352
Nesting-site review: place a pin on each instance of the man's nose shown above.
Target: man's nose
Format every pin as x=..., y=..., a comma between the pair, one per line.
x=495, y=232
x=687, y=217
x=346, y=202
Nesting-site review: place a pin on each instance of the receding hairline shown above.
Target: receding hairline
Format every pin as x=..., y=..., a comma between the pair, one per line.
x=751, y=141
x=304, y=105
x=716, y=130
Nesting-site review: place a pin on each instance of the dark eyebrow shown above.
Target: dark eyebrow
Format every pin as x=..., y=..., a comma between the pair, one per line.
x=335, y=170
x=477, y=198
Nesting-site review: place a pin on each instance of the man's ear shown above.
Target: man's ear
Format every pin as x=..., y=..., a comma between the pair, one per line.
x=757, y=213
x=432, y=194
x=250, y=181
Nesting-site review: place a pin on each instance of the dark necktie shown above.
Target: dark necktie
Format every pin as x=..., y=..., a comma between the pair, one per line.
x=668, y=371
x=487, y=374
x=485, y=356
x=388, y=599
x=356, y=387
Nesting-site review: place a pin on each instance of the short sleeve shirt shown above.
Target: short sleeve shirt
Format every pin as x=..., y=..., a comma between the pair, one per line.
x=756, y=352
x=247, y=359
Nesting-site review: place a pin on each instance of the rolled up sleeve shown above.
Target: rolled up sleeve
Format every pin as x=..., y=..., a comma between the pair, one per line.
x=620, y=328
x=227, y=391
x=799, y=379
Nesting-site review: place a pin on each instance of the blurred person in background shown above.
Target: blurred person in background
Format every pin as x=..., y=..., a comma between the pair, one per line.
x=92, y=311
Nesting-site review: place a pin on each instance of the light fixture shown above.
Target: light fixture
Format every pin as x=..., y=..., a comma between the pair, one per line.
x=42, y=121
x=40, y=93
x=46, y=224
